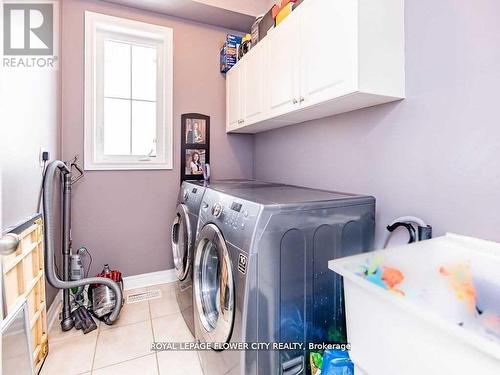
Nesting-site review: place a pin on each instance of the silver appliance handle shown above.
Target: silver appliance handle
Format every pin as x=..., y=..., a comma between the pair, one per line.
x=9, y=243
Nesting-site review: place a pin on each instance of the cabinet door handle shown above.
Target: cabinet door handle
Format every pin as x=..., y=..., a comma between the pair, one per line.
x=295, y=101
x=302, y=100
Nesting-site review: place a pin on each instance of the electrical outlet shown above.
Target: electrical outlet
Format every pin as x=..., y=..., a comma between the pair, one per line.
x=43, y=156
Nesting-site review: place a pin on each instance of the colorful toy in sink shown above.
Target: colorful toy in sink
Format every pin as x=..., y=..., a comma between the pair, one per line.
x=459, y=276
x=385, y=277
x=479, y=297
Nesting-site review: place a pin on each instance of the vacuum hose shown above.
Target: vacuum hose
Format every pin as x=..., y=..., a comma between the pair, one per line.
x=65, y=284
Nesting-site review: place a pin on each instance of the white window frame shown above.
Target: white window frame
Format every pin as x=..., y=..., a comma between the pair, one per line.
x=96, y=27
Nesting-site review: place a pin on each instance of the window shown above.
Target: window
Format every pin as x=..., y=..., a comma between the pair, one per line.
x=128, y=94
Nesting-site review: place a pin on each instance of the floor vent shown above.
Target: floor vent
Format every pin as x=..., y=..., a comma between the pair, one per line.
x=144, y=296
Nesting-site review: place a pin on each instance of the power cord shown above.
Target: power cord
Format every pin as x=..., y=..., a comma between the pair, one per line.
x=40, y=195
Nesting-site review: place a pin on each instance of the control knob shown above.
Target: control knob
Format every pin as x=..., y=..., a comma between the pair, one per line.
x=217, y=210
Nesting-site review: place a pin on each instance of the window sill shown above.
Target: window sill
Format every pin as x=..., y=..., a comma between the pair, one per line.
x=127, y=166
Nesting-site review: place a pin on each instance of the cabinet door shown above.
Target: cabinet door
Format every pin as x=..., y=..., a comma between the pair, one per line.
x=254, y=94
x=328, y=44
x=233, y=97
x=283, y=67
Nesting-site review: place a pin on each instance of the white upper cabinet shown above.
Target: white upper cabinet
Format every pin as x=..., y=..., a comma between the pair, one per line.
x=283, y=69
x=234, y=113
x=254, y=95
x=327, y=57
x=328, y=40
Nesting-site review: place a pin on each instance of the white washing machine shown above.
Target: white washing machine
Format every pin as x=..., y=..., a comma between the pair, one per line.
x=261, y=273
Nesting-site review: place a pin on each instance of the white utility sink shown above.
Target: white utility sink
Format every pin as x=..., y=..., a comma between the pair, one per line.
x=429, y=323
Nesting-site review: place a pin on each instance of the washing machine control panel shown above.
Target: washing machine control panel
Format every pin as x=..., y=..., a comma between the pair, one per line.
x=191, y=196
x=233, y=214
x=235, y=217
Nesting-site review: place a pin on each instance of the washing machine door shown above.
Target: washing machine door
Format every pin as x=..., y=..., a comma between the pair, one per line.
x=181, y=242
x=213, y=285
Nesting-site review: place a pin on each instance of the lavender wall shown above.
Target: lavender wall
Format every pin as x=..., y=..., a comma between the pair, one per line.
x=124, y=217
x=435, y=154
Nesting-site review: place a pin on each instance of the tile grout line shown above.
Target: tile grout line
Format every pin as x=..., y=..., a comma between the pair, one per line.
x=154, y=338
x=95, y=348
x=141, y=321
x=100, y=331
x=121, y=362
x=124, y=325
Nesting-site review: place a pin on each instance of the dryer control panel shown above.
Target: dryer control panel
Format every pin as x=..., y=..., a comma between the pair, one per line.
x=232, y=214
x=236, y=218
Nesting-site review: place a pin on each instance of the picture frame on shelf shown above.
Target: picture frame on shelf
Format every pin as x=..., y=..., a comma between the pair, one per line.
x=195, y=145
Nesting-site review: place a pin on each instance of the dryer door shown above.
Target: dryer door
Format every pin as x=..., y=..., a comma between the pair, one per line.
x=181, y=241
x=214, y=285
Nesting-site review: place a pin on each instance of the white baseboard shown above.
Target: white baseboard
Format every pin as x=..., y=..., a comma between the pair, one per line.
x=54, y=310
x=129, y=282
x=149, y=279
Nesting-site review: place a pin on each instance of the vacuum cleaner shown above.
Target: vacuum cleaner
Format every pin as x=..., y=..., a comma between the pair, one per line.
x=80, y=318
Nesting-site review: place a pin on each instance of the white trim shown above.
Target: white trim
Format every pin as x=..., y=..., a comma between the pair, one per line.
x=129, y=282
x=149, y=279
x=162, y=37
x=54, y=310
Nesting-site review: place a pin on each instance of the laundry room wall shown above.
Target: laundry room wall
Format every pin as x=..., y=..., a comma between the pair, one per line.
x=436, y=154
x=124, y=217
x=29, y=120
x=29, y=113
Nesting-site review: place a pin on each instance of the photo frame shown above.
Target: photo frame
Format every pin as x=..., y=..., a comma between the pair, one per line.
x=195, y=145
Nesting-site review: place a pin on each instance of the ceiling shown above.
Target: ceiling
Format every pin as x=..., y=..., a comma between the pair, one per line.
x=251, y=7
x=235, y=15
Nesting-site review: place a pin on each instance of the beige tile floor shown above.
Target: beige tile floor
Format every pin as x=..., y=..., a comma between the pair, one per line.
x=125, y=347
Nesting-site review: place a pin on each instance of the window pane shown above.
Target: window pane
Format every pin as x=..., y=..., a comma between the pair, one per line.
x=143, y=128
x=116, y=127
x=144, y=73
x=117, y=69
